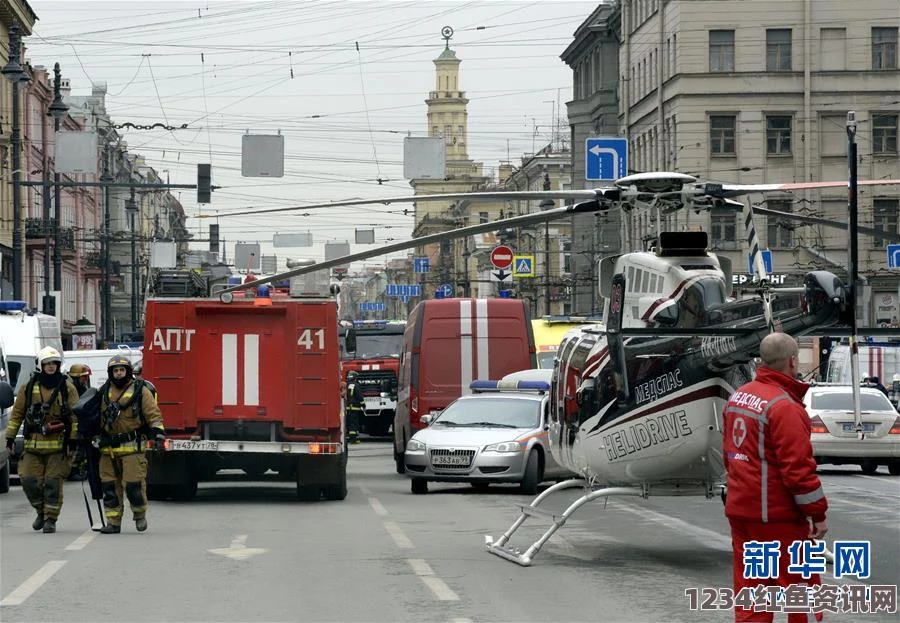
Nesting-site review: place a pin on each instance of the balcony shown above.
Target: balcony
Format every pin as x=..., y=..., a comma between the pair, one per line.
x=93, y=267
x=37, y=230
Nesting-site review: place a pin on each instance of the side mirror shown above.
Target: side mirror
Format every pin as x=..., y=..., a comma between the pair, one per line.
x=7, y=396
x=587, y=387
x=14, y=369
x=426, y=419
x=350, y=340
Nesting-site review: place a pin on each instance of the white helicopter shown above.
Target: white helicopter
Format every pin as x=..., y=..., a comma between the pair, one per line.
x=636, y=404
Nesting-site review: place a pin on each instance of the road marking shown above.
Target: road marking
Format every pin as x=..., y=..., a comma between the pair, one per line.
x=379, y=509
x=238, y=550
x=436, y=584
x=397, y=534
x=707, y=537
x=27, y=588
x=82, y=541
x=461, y=620
x=879, y=479
x=365, y=490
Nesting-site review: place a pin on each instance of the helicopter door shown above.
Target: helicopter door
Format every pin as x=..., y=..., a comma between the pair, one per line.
x=614, y=337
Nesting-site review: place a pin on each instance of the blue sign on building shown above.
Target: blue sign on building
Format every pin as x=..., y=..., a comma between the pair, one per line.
x=421, y=265
x=767, y=261
x=371, y=306
x=444, y=291
x=605, y=159
x=893, y=253
x=403, y=290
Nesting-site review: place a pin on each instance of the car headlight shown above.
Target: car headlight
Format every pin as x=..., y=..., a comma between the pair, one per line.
x=414, y=445
x=506, y=446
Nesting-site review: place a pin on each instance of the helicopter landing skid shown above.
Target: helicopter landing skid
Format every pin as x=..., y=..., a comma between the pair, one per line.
x=514, y=554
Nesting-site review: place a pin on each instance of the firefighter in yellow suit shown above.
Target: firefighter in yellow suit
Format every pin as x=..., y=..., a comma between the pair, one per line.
x=45, y=404
x=128, y=415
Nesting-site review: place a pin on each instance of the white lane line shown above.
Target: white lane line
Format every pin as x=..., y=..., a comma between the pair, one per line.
x=436, y=584
x=461, y=620
x=707, y=537
x=27, y=588
x=82, y=541
x=397, y=534
x=377, y=506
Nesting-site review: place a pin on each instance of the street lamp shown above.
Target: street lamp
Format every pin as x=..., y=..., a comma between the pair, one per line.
x=15, y=74
x=58, y=111
x=131, y=209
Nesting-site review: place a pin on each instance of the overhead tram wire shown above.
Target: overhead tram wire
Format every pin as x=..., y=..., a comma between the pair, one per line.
x=362, y=84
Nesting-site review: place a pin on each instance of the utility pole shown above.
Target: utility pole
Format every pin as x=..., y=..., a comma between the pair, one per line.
x=15, y=74
x=547, y=204
x=58, y=110
x=853, y=230
x=45, y=221
x=131, y=208
x=106, y=307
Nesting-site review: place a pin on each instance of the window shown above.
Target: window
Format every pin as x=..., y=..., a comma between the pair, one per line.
x=435, y=131
x=723, y=229
x=721, y=134
x=448, y=133
x=483, y=217
x=778, y=49
x=779, y=234
x=778, y=135
x=567, y=256
x=884, y=48
x=886, y=211
x=884, y=134
x=721, y=50
x=833, y=48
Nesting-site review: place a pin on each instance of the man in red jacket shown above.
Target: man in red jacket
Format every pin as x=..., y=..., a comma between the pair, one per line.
x=774, y=493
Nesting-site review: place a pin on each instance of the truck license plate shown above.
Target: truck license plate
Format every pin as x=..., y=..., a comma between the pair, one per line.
x=451, y=460
x=188, y=444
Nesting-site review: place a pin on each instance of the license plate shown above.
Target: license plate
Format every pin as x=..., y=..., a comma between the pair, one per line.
x=452, y=460
x=867, y=427
x=188, y=444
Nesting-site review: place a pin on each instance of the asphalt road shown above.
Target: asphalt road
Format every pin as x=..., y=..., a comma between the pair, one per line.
x=250, y=552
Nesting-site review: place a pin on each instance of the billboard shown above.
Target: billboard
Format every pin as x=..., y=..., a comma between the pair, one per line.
x=247, y=256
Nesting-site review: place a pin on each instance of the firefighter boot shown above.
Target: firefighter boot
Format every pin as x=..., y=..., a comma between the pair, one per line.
x=38, y=522
x=110, y=529
x=49, y=526
x=140, y=523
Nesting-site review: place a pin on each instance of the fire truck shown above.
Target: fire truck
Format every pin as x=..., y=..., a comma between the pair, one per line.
x=372, y=348
x=244, y=382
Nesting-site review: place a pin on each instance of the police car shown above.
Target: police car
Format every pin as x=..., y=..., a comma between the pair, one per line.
x=498, y=434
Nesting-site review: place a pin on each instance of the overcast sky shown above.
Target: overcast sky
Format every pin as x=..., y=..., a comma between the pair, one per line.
x=226, y=67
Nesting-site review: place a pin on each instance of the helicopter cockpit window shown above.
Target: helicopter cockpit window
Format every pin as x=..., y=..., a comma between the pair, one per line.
x=697, y=300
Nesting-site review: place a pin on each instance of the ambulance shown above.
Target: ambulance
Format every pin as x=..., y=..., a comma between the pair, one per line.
x=549, y=332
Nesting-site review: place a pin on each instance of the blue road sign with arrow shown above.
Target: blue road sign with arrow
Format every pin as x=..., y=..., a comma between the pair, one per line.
x=605, y=159
x=421, y=265
x=445, y=290
x=893, y=253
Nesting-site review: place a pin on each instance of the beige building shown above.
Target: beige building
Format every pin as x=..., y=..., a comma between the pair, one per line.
x=758, y=91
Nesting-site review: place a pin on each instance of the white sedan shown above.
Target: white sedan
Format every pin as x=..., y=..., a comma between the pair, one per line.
x=834, y=436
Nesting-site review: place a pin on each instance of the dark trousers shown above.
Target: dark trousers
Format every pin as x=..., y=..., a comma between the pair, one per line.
x=354, y=415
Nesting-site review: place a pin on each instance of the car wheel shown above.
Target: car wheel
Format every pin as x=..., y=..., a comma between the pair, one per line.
x=532, y=476
x=894, y=468
x=869, y=467
x=399, y=463
x=419, y=486
x=4, y=477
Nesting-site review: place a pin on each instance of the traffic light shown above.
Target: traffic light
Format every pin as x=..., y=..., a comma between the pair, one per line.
x=204, y=183
x=214, y=238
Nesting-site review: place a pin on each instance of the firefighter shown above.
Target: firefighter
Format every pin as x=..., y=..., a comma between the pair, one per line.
x=45, y=405
x=80, y=375
x=354, y=406
x=128, y=412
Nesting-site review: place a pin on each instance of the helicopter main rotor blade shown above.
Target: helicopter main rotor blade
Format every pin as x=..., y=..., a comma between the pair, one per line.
x=523, y=195
x=517, y=221
x=813, y=220
x=736, y=190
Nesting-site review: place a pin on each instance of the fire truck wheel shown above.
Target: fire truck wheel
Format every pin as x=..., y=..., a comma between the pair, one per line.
x=419, y=486
x=894, y=468
x=337, y=491
x=308, y=493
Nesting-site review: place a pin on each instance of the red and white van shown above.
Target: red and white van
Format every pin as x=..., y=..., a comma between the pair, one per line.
x=448, y=343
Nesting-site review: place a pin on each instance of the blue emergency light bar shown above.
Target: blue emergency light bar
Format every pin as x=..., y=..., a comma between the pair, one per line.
x=509, y=386
x=369, y=323
x=12, y=306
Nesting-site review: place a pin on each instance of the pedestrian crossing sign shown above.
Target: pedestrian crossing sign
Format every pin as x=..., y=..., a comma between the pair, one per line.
x=523, y=266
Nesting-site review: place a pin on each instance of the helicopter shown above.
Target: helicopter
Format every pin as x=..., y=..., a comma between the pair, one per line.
x=636, y=402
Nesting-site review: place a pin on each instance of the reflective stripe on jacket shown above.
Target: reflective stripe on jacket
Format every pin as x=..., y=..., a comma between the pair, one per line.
x=768, y=452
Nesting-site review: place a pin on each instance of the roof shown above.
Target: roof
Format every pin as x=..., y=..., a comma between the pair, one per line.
x=447, y=55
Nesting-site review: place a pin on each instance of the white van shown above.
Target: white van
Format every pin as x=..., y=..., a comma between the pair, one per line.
x=97, y=360
x=24, y=333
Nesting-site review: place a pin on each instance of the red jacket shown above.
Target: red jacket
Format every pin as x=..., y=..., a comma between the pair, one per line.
x=768, y=453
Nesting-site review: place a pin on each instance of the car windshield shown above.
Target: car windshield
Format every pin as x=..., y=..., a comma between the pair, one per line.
x=492, y=411
x=841, y=401
x=546, y=359
x=378, y=345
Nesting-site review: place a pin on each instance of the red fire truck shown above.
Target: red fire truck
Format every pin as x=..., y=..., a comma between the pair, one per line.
x=251, y=384
x=372, y=349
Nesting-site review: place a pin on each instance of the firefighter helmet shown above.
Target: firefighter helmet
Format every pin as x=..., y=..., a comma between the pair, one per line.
x=48, y=354
x=117, y=361
x=79, y=369
x=351, y=376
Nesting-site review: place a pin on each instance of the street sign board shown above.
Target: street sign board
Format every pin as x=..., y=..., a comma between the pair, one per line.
x=767, y=261
x=523, y=266
x=445, y=290
x=501, y=257
x=402, y=290
x=421, y=265
x=424, y=158
x=246, y=256
x=76, y=152
x=605, y=159
x=365, y=236
x=893, y=256
x=501, y=275
x=292, y=240
x=372, y=306
x=262, y=155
